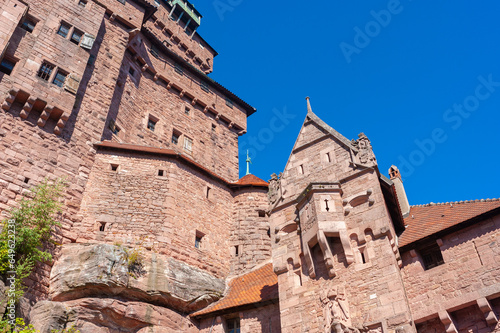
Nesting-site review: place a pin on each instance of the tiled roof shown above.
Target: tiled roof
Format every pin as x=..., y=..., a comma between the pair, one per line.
x=425, y=220
x=251, y=180
x=257, y=286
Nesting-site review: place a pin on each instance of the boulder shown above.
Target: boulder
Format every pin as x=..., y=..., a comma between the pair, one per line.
x=87, y=270
x=95, y=315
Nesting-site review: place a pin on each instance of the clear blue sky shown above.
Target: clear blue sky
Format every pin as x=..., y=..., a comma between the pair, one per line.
x=420, y=71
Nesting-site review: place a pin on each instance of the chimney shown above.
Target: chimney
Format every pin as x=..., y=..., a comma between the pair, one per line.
x=400, y=190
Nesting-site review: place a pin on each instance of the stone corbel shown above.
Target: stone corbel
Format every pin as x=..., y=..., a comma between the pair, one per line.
x=356, y=200
x=217, y=117
x=486, y=309
x=230, y=125
x=144, y=68
x=182, y=93
x=447, y=321
x=44, y=116
x=156, y=77
x=194, y=101
x=169, y=85
x=205, y=109
x=28, y=106
x=112, y=17
x=9, y=99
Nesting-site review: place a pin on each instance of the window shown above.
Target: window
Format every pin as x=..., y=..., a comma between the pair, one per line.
x=198, y=239
x=236, y=250
x=188, y=144
x=262, y=213
x=114, y=167
x=28, y=24
x=229, y=103
x=152, y=123
x=204, y=86
x=102, y=227
x=187, y=111
x=63, y=29
x=6, y=66
x=233, y=325
x=45, y=71
x=76, y=36
x=431, y=256
x=59, y=78
x=178, y=69
x=175, y=137
x=208, y=192
x=161, y=173
x=82, y=3
x=214, y=128
x=131, y=71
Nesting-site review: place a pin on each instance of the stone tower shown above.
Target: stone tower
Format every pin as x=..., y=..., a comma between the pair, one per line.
x=334, y=237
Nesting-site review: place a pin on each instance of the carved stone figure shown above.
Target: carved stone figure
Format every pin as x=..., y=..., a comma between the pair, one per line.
x=364, y=146
x=335, y=312
x=274, y=193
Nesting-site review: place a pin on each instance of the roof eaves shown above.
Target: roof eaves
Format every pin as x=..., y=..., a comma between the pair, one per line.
x=247, y=107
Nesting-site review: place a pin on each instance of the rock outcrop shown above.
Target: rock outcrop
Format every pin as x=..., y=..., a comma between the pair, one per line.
x=96, y=288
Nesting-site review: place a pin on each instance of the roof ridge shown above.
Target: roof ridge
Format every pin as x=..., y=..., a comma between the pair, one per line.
x=456, y=202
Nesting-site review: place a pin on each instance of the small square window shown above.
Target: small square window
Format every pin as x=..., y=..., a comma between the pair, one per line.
x=114, y=167
x=76, y=36
x=233, y=325
x=6, y=66
x=28, y=24
x=198, y=239
x=152, y=123
x=187, y=111
x=262, y=213
x=431, y=256
x=63, y=29
x=59, y=78
x=175, y=137
x=160, y=173
x=214, y=128
x=229, y=103
x=82, y=3
x=45, y=71
x=178, y=69
x=204, y=86
x=188, y=144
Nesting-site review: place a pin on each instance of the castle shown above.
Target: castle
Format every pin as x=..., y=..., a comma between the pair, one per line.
x=113, y=96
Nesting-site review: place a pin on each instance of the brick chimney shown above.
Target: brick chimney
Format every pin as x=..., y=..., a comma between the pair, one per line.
x=400, y=190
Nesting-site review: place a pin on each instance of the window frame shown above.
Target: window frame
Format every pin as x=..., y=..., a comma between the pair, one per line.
x=59, y=71
x=2, y=66
x=64, y=24
x=42, y=73
x=25, y=24
x=76, y=31
x=431, y=255
x=233, y=325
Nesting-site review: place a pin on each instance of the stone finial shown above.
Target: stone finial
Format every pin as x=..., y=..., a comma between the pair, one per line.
x=309, y=108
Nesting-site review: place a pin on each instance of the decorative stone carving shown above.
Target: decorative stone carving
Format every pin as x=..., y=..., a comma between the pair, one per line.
x=364, y=146
x=336, y=310
x=274, y=193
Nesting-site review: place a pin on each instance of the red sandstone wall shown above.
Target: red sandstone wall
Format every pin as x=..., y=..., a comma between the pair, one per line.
x=259, y=319
x=250, y=231
x=470, y=271
x=374, y=290
x=162, y=213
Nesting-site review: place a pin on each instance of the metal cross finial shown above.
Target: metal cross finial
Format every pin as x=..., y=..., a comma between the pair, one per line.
x=249, y=161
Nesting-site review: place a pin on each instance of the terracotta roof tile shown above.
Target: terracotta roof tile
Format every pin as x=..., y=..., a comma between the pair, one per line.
x=251, y=180
x=425, y=220
x=257, y=286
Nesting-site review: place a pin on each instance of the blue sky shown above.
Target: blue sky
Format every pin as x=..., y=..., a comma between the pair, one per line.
x=420, y=78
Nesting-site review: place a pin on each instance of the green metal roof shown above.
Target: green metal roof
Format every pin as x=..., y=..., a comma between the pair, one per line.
x=188, y=8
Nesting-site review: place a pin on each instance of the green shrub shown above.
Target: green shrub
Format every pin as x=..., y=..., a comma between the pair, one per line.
x=24, y=240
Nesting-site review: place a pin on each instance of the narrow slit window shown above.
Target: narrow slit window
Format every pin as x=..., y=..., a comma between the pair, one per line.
x=328, y=158
x=208, y=193
x=102, y=226
x=236, y=251
x=301, y=169
x=198, y=240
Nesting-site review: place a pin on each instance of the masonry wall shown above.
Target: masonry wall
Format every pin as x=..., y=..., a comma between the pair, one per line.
x=265, y=319
x=470, y=272
x=251, y=230
x=164, y=213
